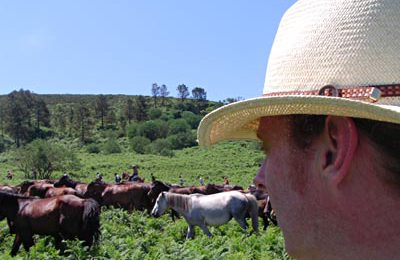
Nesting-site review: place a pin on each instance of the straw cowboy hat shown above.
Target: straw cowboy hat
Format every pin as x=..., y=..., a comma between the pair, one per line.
x=329, y=57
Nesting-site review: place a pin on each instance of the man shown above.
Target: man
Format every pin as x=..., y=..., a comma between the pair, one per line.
x=99, y=177
x=329, y=121
x=10, y=174
x=135, y=175
x=117, y=178
x=181, y=181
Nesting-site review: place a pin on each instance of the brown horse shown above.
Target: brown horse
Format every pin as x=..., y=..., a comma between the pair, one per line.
x=128, y=196
x=80, y=187
x=24, y=186
x=9, y=189
x=51, y=192
x=63, y=217
x=39, y=189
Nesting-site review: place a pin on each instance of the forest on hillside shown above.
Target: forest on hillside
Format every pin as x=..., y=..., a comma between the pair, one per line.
x=45, y=126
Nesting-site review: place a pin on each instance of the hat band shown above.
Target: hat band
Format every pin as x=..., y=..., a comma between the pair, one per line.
x=369, y=93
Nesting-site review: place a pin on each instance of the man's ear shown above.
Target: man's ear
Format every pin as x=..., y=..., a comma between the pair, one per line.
x=340, y=139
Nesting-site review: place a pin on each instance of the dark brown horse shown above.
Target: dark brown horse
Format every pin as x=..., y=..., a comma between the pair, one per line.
x=63, y=217
x=39, y=189
x=265, y=211
x=128, y=196
x=24, y=186
x=80, y=187
x=51, y=192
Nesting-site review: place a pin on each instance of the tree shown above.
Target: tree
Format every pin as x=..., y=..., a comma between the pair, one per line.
x=163, y=93
x=231, y=100
x=111, y=119
x=129, y=110
x=59, y=119
x=42, y=114
x=200, y=97
x=155, y=91
x=83, y=122
x=101, y=108
x=183, y=92
x=18, y=116
x=199, y=94
x=140, y=109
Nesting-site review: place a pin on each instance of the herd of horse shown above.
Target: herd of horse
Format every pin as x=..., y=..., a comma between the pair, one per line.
x=66, y=209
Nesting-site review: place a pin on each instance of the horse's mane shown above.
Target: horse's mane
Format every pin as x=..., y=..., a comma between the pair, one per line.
x=180, y=201
x=161, y=183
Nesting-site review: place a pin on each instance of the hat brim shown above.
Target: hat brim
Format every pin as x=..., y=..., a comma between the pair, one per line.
x=239, y=120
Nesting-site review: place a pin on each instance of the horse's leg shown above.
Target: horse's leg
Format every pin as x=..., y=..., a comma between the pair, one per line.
x=16, y=245
x=27, y=241
x=240, y=218
x=190, y=232
x=58, y=243
x=204, y=227
x=266, y=222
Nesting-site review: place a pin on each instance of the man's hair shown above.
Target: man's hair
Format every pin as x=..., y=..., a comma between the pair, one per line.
x=384, y=136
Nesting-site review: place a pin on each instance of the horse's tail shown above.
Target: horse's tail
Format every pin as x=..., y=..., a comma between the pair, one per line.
x=253, y=210
x=91, y=220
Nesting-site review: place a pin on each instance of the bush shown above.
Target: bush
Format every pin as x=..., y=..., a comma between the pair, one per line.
x=39, y=159
x=192, y=119
x=177, y=126
x=154, y=129
x=133, y=129
x=155, y=113
x=160, y=146
x=93, y=148
x=139, y=144
x=182, y=140
x=111, y=146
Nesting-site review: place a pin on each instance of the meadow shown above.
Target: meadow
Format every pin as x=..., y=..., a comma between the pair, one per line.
x=137, y=235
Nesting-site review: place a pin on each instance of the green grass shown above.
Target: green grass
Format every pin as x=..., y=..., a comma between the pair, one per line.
x=138, y=236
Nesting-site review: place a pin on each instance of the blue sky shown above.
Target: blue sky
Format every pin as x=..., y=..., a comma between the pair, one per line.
x=122, y=47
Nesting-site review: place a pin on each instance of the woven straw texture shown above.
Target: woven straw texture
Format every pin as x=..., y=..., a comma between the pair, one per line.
x=344, y=43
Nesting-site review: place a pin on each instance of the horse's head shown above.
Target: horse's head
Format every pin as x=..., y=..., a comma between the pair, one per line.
x=95, y=189
x=156, y=188
x=161, y=205
x=63, y=181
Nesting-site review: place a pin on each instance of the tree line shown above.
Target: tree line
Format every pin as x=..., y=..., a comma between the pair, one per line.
x=26, y=116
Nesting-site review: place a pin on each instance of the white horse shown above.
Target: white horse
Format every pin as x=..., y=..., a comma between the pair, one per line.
x=215, y=210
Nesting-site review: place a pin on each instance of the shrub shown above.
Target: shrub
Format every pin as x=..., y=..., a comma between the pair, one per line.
x=111, y=146
x=155, y=113
x=154, y=129
x=192, y=119
x=160, y=146
x=133, y=129
x=39, y=159
x=182, y=140
x=177, y=126
x=139, y=144
x=93, y=148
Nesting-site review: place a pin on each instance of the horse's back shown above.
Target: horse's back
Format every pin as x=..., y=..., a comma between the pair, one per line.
x=217, y=209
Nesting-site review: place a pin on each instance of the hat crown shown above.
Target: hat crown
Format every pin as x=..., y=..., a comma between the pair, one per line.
x=344, y=43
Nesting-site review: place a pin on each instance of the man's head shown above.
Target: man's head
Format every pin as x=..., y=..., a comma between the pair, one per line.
x=329, y=120
x=325, y=171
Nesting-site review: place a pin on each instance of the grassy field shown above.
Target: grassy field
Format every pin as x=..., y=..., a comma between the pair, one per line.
x=139, y=236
